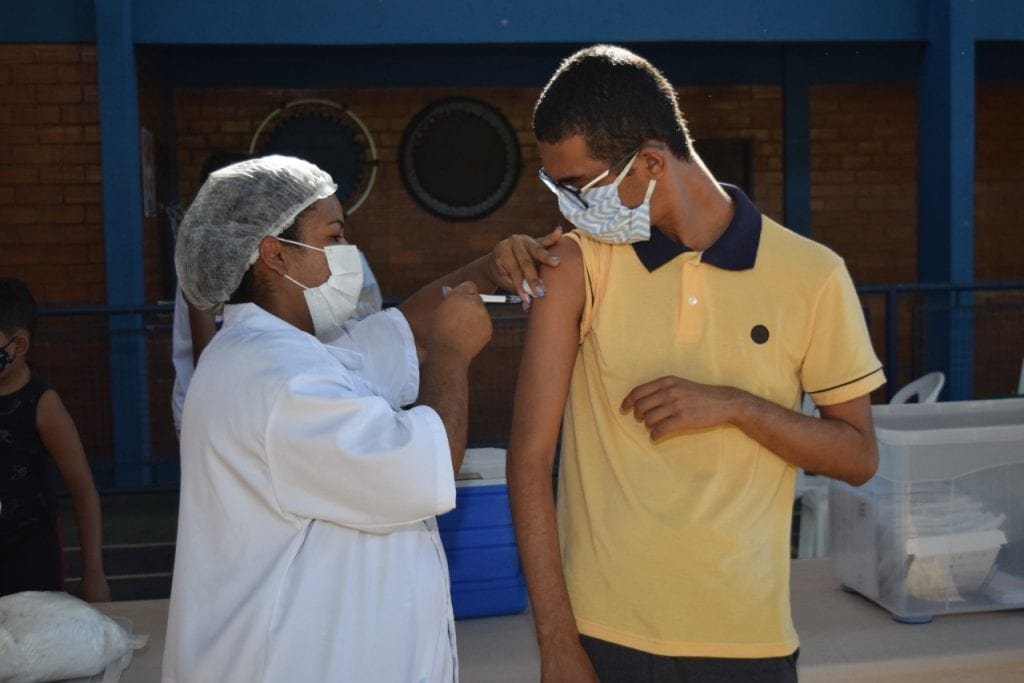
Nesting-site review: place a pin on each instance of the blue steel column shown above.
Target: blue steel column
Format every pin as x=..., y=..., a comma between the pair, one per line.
x=945, y=234
x=796, y=143
x=122, y=225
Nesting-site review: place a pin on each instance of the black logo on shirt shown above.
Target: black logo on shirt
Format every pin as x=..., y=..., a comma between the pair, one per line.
x=759, y=333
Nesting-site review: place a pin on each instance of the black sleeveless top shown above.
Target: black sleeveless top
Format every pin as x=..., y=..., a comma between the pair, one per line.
x=26, y=492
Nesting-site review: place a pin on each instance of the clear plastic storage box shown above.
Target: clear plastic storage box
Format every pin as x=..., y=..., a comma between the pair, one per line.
x=479, y=540
x=940, y=528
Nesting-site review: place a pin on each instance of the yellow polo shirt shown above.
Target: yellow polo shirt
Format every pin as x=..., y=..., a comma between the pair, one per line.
x=681, y=548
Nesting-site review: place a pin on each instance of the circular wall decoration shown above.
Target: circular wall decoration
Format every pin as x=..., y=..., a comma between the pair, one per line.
x=326, y=134
x=459, y=158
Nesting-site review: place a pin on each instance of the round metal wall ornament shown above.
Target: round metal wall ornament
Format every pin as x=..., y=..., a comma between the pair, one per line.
x=327, y=134
x=459, y=158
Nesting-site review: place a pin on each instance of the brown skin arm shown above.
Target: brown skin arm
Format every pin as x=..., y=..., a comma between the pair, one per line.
x=461, y=329
x=60, y=436
x=508, y=264
x=549, y=354
x=841, y=444
x=202, y=325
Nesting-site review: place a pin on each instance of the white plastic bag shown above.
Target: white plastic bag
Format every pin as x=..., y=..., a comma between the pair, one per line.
x=49, y=636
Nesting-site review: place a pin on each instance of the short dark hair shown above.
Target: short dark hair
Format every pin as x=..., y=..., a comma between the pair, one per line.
x=615, y=99
x=17, y=307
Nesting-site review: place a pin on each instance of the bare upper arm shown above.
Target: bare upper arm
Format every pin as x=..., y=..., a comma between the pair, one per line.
x=60, y=436
x=549, y=353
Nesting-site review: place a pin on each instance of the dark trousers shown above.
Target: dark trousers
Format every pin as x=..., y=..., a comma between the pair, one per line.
x=31, y=558
x=619, y=664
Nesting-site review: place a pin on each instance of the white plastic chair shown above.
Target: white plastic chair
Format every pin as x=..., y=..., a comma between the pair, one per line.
x=926, y=388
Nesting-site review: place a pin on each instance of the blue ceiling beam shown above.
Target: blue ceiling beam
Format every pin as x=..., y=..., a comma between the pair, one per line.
x=374, y=22
x=395, y=22
x=48, y=21
x=997, y=20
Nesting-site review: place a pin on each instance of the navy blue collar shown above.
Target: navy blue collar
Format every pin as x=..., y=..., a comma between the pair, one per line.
x=736, y=249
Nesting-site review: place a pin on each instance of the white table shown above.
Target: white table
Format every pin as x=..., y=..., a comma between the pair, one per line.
x=844, y=639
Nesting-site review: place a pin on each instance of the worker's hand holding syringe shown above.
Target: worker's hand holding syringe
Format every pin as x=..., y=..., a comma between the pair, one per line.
x=511, y=266
x=461, y=324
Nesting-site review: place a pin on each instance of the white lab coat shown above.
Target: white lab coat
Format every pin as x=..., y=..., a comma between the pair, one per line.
x=181, y=356
x=307, y=548
x=370, y=301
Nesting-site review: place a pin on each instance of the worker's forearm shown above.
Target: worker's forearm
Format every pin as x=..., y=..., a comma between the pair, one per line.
x=444, y=386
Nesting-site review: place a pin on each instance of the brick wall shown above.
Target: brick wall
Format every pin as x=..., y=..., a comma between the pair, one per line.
x=50, y=194
x=999, y=183
x=864, y=178
x=751, y=113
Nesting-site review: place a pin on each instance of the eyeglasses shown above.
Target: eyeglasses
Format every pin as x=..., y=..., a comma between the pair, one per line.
x=576, y=193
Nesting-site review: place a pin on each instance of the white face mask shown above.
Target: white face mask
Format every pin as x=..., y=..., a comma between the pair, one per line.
x=333, y=302
x=606, y=218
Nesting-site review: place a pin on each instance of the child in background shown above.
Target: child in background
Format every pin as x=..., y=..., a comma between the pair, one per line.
x=34, y=427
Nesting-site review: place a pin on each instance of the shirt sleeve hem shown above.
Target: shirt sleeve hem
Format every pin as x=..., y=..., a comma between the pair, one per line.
x=410, y=389
x=849, y=390
x=445, y=483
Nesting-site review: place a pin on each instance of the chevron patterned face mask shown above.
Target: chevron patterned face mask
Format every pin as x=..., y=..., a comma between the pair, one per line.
x=599, y=212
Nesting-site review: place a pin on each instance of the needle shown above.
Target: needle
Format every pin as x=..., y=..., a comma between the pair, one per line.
x=500, y=299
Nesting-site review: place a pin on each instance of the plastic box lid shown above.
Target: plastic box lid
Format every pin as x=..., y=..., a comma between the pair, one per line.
x=944, y=440
x=950, y=421
x=482, y=467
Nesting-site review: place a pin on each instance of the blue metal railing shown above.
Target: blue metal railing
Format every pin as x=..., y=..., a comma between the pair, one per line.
x=946, y=318
x=111, y=364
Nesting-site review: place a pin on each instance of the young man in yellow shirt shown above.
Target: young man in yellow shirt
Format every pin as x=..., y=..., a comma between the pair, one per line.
x=676, y=337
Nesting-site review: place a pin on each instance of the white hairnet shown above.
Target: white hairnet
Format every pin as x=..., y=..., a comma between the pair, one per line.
x=237, y=207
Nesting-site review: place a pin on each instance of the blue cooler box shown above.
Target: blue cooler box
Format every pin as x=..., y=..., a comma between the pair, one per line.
x=479, y=541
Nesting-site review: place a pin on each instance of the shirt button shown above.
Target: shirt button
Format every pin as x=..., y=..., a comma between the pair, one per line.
x=692, y=300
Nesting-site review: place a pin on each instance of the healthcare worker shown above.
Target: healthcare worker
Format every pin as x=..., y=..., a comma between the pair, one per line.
x=307, y=547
